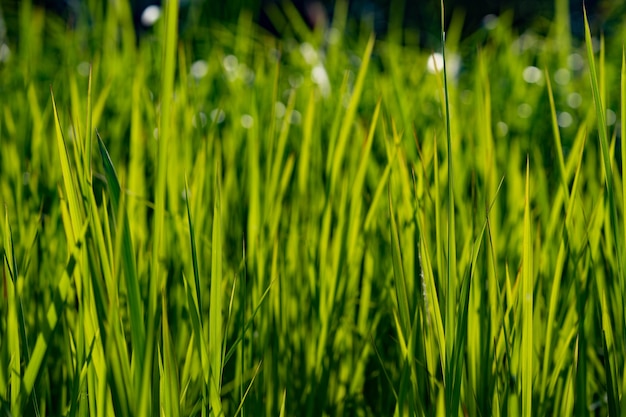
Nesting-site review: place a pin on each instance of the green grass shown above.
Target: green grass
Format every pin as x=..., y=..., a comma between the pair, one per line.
x=221, y=223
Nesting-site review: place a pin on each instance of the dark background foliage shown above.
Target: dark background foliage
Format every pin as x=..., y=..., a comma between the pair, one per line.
x=422, y=15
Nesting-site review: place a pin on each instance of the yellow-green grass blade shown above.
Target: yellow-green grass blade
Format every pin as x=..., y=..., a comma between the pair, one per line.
x=68, y=179
x=194, y=252
x=558, y=146
x=197, y=330
x=462, y=330
x=439, y=251
x=116, y=381
x=78, y=148
x=380, y=188
x=248, y=324
x=88, y=127
x=170, y=401
x=597, y=83
x=452, y=400
x=581, y=360
x=128, y=258
x=136, y=178
x=215, y=307
x=12, y=325
x=4, y=378
x=359, y=178
x=245, y=395
x=456, y=364
x=102, y=323
x=348, y=119
x=526, y=362
x=337, y=122
x=165, y=131
x=74, y=220
x=432, y=304
x=283, y=402
x=623, y=136
x=275, y=214
x=255, y=215
x=304, y=160
x=99, y=106
x=555, y=292
x=604, y=146
x=402, y=297
x=476, y=326
x=277, y=166
x=608, y=344
x=361, y=280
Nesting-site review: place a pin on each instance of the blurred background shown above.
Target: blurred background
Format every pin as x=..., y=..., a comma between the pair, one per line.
x=419, y=16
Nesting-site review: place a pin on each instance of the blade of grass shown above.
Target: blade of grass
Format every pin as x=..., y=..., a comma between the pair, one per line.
x=170, y=390
x=402, y=297
x=12, y=323
x=526, y=362
x=88, y=127
x=557, y=138
x=596, y=84
x=68, y=180
x=608, y=345
x=168, y=64
x=256, y=372
x=128, y=262
x=555, y=292
x=604, y=146
x=346, y=123
x=215, y=306
x=452, y=400
x=623, y=146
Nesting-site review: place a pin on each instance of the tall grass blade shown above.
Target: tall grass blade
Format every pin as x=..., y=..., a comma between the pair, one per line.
x=68, y=179
x=128, y=262
x=12, y=322
x=165, y=127
x=606, y=158
x=452, y=400
x=169, y=387
x=346, y=123
x=402, y=296
x=526, y=363
x=623, y=136
x=556, y=134
x=215, y=307
x=163, y=149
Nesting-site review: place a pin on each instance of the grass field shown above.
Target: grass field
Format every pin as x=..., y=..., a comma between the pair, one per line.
x=324, y=225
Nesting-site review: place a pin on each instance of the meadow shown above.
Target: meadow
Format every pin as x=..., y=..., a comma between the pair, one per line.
x=217, y=222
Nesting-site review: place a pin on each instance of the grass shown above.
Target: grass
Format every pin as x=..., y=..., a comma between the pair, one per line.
x=231, y=224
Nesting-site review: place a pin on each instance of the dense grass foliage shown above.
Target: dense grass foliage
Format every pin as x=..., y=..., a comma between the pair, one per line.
x=321, y=225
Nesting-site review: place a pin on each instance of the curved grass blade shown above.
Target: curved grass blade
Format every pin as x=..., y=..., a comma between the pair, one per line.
x=604, y=146
x=76, y=214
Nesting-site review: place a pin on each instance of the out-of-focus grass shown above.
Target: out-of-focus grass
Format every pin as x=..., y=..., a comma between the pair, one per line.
x=319, y=225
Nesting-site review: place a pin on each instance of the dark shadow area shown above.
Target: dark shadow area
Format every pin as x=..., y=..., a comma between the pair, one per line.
x=383, y=16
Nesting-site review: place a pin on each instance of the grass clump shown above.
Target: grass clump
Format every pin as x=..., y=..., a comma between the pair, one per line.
x=320, y=225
